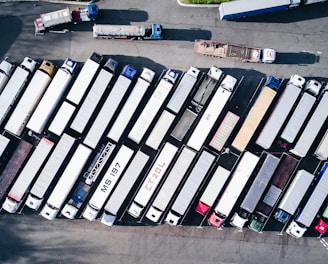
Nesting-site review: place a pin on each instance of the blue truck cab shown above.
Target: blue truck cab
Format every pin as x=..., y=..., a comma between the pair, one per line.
x=272, y=82
x=155, y=31
x=93, y=11
x=129, y=71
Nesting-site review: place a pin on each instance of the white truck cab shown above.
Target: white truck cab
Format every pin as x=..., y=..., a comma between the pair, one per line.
x=295, y=230
x=313, y=87
x=268, y=55
x=297, y=80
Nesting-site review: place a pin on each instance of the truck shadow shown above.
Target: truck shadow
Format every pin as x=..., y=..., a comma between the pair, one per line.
x=186, y=34
x=301, y=58
x=11, y=32
x=121, y=17
x=312, y=11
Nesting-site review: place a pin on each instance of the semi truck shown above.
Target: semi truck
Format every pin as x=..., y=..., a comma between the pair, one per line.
x=313, y=126
x=153, y=105
x=183, y=89
x=256, y=113
x=48, y=21
x=30, y=98
x=14, y=164
x=279, y=181
x=245, y=8
x=170, y=185
x=86, y=183
x=224, y=131
x=277, y=118
x=15, y=86
x=151, y=181
x=108, y=182
x=234, y=51
x=306, y=215
x=93, y=97
x=123, y=188
x=212, y=190
x=84, y=78
x=6, y=69
x=66, y=182
x=110, y=106
x=206, y=88
x=49, y=171
x=321, y=152
x=190, y=186
x=153, y=32
x=255, y=191
x=61, y=119
x=35, y=162
x=212, y=112
x=51, y=97
x=238, y=180
x=145, y=79
x=298, y=117
x=293, y=196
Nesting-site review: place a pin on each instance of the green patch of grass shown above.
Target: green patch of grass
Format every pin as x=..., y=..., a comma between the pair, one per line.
x=204, y=1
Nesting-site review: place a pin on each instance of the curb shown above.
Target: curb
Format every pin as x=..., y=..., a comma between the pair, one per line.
x=195, y=5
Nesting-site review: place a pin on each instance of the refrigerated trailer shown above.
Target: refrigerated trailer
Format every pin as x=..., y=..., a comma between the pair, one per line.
x=66, y=182
x=280, y=179
x=255, y=192
x=305, y=217
x=15, y=86
x=86, y=183
x=30, y=98
x=84, y=78
x=145, y=79
x=256, y=114
x=212, y=190
x=61, y=119
x=170, y=185
x=93, y=97
x=293, y=196
x=14, y=164
x=123, y=188
x=108, y=182
x=49, y=172
x=26, y=176
x=110, y=106
x=238, y=180
x=51, y=97
x=190, y=187
x=153, y=105
x=313, y=126
x=154, y=176
x=212, y=112
x=321, y=152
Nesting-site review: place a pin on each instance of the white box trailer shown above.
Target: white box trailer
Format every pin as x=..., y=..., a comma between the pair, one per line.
x=49, y=171
x=182, y=127
x=183, y=89
x=224, y=131
x=278, y=116
x=4, y=141
x=313, y=127
x=123, y=188
x=160, y=129
x=321, y=152
x=298, y=117
x=255, y=192
x=26, y=176
x=232, y=192
x=61, y=119
x=15, y=86
x=30, y=98
x=212, y=190
x=154, y=176
x=94, y=95
x=293, y=196
x=153, y=105
x=86, y=183
x=131, y=104
x=110, y=106
x=84, y=78
x=212, y=112
x=169, y=187
x=107, y=183
x=6, y=69
x=66, y=182
x=51, y=97
x=190, y=187
x=305, y=217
